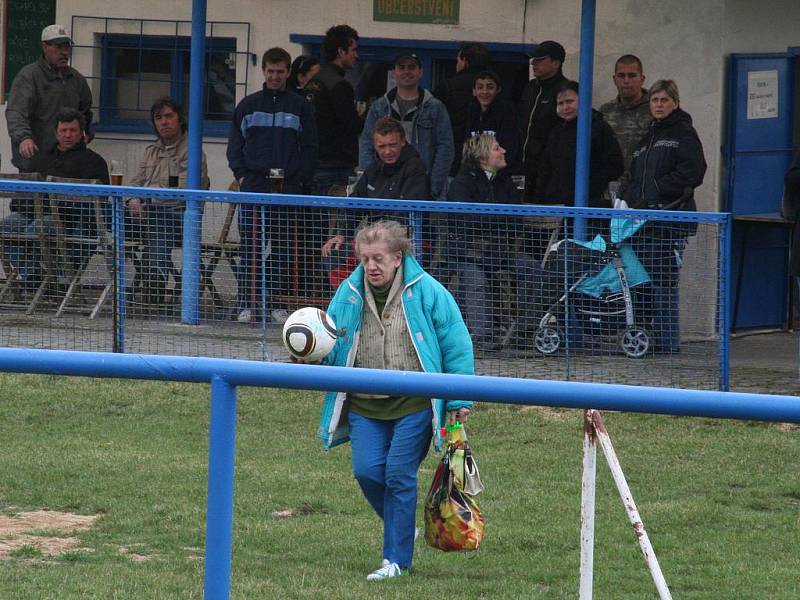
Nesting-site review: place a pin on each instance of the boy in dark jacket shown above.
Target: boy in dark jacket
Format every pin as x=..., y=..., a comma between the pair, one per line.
x=272, y=129
x=488, y=113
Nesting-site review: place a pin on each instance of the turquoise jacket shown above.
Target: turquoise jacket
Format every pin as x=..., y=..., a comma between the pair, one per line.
x=437, y=331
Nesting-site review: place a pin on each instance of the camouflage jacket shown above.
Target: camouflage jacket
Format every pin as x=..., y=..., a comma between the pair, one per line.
x=630, y=123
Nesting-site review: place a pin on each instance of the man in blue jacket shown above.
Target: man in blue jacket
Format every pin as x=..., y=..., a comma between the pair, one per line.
x=424, y=119
x=272, y=129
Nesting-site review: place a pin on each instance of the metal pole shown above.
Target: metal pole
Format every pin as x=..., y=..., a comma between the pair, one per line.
x=630, y=507
x=190, y=277
x=588, y=486
x=118, y=228
x=724, y=249
x=584, y=146
x=219, y=519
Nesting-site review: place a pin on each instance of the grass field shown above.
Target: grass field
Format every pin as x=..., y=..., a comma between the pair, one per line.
x=720, y=501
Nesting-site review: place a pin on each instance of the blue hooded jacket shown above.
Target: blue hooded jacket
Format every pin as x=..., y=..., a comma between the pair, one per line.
x=437, y=331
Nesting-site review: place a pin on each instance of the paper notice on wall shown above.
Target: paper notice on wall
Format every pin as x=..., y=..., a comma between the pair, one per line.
x=762, y=95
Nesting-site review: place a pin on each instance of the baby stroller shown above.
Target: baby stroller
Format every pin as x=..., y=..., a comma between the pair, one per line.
x=602, y=273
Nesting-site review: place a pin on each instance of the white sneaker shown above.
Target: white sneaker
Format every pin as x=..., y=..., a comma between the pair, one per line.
x=280, y=315
x=245, y=316
x=386, y=572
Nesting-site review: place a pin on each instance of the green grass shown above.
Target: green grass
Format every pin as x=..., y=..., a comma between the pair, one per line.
x=720, y=501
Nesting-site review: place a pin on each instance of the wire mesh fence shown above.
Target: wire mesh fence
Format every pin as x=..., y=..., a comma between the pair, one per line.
x=553, y=293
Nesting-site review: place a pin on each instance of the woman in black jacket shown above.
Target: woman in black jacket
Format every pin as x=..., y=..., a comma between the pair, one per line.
x=668, y=163
x=555, y=183
x=479, y=244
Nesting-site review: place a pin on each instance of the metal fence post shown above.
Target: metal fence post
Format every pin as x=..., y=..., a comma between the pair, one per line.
x=724, y=249
x=190, y=276
x=118, y=313
x=219, y=518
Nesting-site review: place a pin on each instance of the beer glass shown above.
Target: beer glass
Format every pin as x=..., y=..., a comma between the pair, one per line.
x=276, y=180
x=117, y=169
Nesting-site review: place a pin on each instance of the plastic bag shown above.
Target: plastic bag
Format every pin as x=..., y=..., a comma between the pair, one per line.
x=453, y=521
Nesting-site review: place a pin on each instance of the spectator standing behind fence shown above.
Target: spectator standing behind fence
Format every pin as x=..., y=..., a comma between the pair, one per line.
x=423, y=117
x=629, y=113
x=539, y=108
x=668, y=164
x=478, y=245
x=456, y=92
x=38, y=92
x=273, y=128
x=791, y=211
x=555, y=183
x=157, y=223
x=488, y=113
x=68, y=158
x=304, y=69
x=338, y=123
x=396, y=317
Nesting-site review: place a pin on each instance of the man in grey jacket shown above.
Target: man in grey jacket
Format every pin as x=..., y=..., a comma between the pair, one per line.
x=38, y=92
x=424, y=119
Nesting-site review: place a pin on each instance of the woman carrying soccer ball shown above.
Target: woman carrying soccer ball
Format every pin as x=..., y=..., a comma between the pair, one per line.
x=398, y=317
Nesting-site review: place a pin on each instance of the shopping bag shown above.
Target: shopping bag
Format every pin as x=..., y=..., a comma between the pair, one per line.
x=453, y=521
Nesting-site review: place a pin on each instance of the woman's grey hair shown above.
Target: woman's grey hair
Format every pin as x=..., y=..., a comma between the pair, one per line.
x=393, y=233
x=477, y=149
x=669, y=87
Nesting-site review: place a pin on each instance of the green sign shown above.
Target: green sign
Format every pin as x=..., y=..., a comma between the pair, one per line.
x=442, y=12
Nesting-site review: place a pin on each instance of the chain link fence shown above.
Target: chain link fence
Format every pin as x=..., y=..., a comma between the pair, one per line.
x=632, y=297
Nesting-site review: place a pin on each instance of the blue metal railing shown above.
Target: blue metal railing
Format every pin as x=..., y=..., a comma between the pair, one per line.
x=226, y=375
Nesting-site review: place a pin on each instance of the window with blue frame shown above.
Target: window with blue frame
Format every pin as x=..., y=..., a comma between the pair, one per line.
x=137, y=69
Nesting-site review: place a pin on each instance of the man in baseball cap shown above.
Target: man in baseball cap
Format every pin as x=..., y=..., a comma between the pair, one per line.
x=548, y=49
x=30, y=113
x=56, y=35
x=539, y=106
x=423, y=117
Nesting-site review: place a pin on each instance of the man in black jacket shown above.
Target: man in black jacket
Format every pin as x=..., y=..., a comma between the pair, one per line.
x=398, y=173
x=68, y=158
x=456, y=92
x=539, y=107
x=338, y=124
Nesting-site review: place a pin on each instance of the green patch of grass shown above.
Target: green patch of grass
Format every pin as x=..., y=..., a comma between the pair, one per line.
x=26, y=551
x=719, y=500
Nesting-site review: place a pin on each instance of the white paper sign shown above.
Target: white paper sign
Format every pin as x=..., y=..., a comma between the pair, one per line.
x=762, y=95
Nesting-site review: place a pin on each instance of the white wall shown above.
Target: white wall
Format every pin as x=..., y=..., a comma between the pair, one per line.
x=684, y=40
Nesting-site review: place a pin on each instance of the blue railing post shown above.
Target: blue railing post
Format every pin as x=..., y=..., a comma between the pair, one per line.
x=219, y=519
x=190, y=276
x=583, y=153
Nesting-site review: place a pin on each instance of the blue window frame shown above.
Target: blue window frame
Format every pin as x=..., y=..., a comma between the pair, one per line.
x=137, y=69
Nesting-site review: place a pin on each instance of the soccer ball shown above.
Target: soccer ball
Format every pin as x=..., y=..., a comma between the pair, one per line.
x=309, y=334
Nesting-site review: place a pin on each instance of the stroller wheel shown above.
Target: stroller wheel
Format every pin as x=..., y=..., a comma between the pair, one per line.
x=548, y=339
x=634, y=342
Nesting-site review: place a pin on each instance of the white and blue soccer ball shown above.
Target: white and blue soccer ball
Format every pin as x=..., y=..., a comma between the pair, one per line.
x=309, y=334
